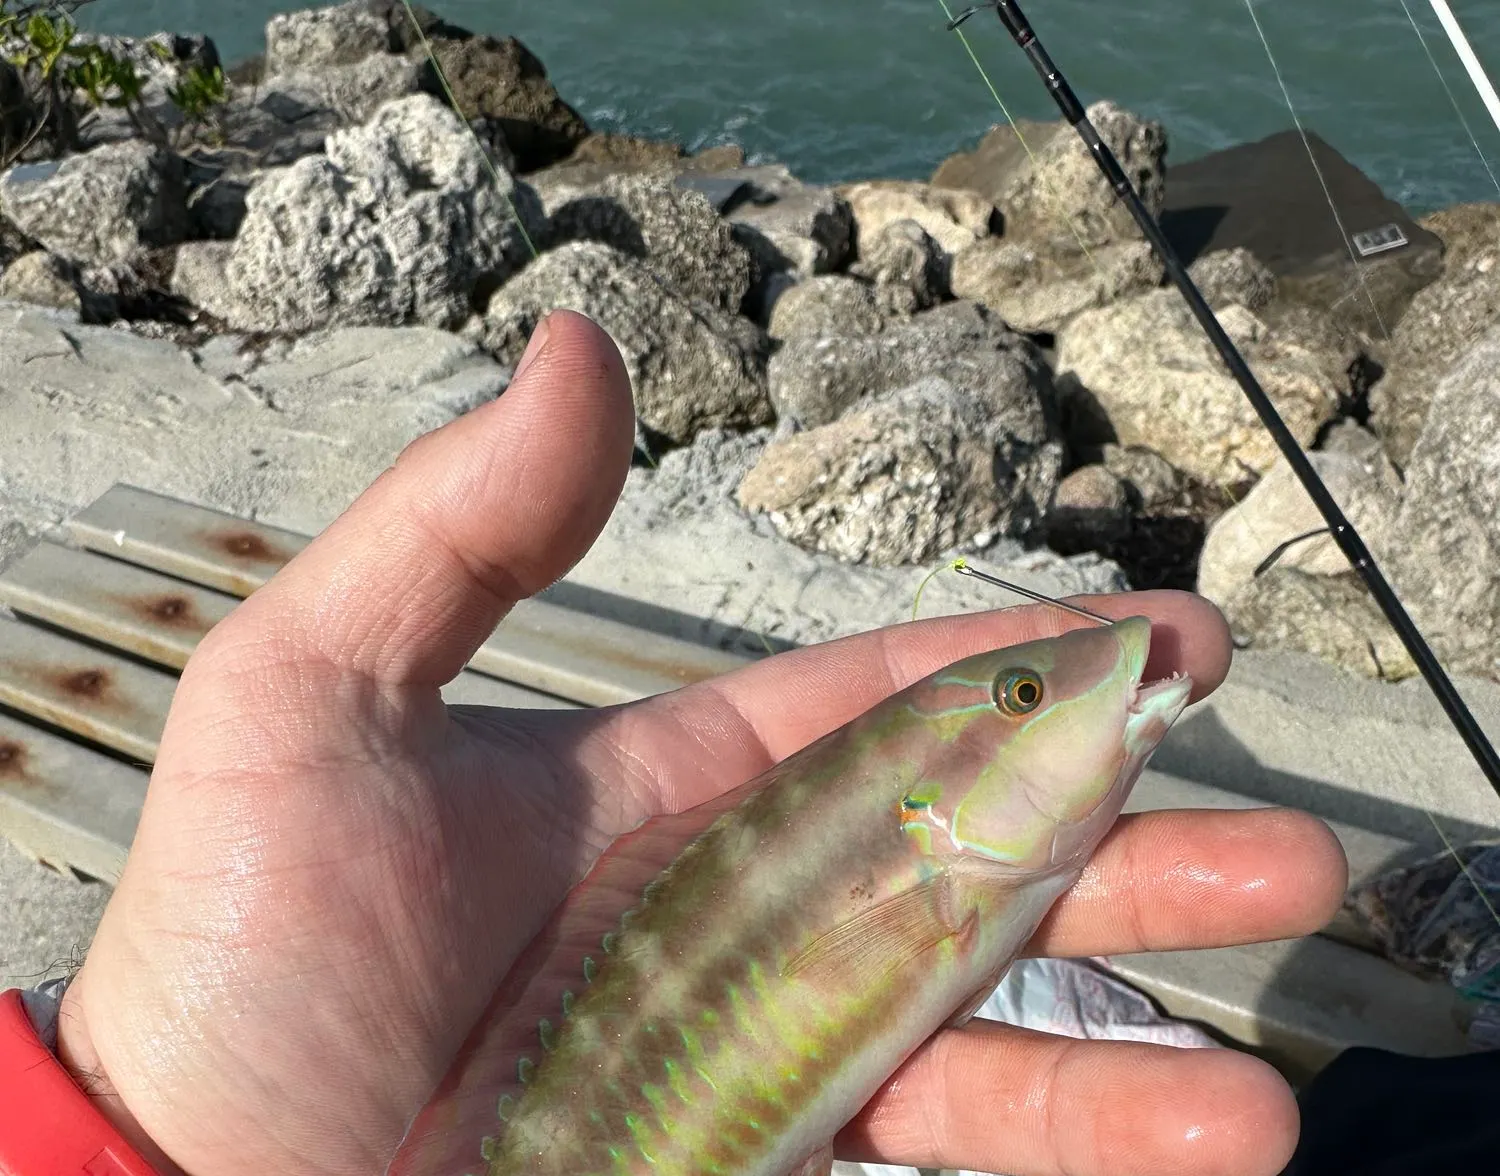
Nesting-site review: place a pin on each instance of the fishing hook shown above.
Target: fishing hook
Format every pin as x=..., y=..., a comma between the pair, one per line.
x=964, y=569
x=1342, y=531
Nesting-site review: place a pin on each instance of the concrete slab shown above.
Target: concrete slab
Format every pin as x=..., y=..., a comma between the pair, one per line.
x=46, y=919
x=1289, y=729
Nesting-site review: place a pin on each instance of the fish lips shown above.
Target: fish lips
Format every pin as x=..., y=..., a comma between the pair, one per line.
x=1149, y=715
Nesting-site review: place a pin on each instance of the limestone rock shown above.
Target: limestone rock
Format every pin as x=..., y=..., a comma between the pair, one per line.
x=400, y=222
x=675, y=231
x=1228, y=277
x=1278, y=509
x=829, y=304
x=789, y=226
x=1331, y=617
x=1153, y=372
x=906, y=266
x=317, y=37
x=198, y=275
x=677, y=535
x=989, y=168
x=108, y=205
x=1058, y=192
x=954, y=219
x=1091, y=508
x=692, y=366
x=813, y=379
x=505, y=83
x=1443, y=321
x=1039, y=289
x=42, y=279
x=1151, y=481
x=1466, y=230
x=904, y=477
x=345, y=94
x=1343, y=355
x=1447, y=560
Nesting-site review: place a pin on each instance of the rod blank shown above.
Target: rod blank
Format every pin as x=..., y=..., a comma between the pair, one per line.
x=1339, y=527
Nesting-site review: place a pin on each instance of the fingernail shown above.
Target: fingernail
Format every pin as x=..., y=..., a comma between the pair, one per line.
x=533, y=348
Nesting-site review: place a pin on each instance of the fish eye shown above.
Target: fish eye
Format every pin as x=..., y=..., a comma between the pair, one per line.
x=1018, y=692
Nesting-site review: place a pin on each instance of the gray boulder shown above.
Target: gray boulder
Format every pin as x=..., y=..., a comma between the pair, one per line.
x=400, y=222
x=1330, y=617
x=692, y=365
x=1040, y=287
x=1447, y=559
x=1442, y=322
x=1147, y=364
x=1277, y=509
x=904, y=477
x=789, y=226
x=1150, y=480
x=1090, y=509
x=198, y=274
x=109, y=205
x=314, y=38
x=828, y=304
x=954, y=219
x=42, y=279
x=284, y=118
x=1056, y=191
x=1228, y=277
x=907, y=267
x=343, y=94
x=815, y=378
x=675, y=231
x=502, y=83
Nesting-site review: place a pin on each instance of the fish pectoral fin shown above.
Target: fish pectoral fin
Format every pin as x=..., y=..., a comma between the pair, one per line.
x=965, y=1012
x=820, y=1163
x=883, y=937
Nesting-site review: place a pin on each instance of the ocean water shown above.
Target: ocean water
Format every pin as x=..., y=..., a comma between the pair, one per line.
x=849, y=89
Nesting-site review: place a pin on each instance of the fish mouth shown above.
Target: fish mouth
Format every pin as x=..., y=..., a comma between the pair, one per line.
x=1153, y=706
x=1153, y=710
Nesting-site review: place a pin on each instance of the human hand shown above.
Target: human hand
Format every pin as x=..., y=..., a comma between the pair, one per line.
x=333, y=872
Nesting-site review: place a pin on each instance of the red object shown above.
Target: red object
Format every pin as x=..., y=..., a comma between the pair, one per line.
x=48, y=1126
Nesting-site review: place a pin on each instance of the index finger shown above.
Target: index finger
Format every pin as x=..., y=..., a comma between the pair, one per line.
x=750, y=719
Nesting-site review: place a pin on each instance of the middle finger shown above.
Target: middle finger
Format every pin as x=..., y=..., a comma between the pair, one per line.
x=1193, y=878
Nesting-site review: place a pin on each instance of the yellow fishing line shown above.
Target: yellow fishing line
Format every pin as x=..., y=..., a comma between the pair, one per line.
x=453, y=102
x=950, y=566
x=1046, y=176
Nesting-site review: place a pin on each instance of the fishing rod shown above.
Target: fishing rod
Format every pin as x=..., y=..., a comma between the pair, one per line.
x=1339, y=527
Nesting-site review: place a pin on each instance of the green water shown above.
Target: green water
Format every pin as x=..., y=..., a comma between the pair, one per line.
x=843, y=89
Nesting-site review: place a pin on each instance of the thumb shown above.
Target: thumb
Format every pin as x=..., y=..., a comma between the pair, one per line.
x=479, y=514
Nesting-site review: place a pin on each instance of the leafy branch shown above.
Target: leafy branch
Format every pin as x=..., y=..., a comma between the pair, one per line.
x=59, y=73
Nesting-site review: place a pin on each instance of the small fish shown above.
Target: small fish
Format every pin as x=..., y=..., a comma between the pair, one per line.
x=786, y=947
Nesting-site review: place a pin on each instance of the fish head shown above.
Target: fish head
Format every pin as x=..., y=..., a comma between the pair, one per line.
x=1037, y=746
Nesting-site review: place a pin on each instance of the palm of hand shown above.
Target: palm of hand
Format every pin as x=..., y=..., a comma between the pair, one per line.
x=334, y=872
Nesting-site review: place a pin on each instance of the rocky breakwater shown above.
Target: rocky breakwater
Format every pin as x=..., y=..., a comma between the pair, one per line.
x=254, y=300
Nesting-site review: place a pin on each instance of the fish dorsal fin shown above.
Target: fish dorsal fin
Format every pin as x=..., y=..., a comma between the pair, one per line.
x=883, y=937
x=445, y=1136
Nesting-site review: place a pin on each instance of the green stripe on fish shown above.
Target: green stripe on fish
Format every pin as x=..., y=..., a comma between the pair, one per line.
x=809, y=931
